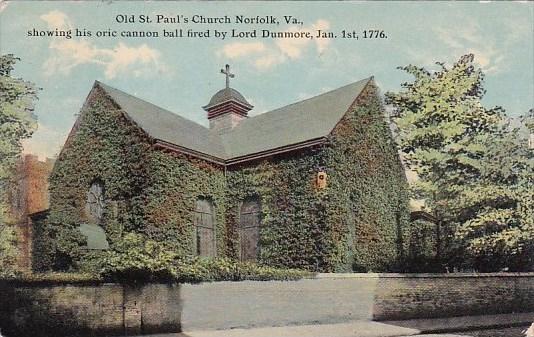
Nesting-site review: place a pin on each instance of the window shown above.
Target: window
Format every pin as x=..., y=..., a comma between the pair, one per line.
x=94, y=207
x=249, y=229
x=204, y=240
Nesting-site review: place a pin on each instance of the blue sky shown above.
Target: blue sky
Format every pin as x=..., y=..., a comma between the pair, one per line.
x=182, y=74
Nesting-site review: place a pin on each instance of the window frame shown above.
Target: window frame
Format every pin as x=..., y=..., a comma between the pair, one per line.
x=98, y=200
x=242, y=227
x=200, y=213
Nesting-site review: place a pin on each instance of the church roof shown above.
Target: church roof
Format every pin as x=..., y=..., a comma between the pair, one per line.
x=296, y=123
x=282, y=129
x=164, y=125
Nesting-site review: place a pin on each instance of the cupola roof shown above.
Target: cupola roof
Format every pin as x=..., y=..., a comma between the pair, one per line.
x=228, y=101
x=226, y=95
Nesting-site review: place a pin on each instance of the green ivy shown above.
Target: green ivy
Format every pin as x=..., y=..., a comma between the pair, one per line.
x=51, y=278
x=138, y=259
x=358, y=222
x=175, y=184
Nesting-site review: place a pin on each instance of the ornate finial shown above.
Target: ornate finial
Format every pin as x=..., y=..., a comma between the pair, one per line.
x=228, y=74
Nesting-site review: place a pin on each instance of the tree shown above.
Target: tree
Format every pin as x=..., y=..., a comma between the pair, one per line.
x=495, y=212
x=17, y=122
x=454, y=144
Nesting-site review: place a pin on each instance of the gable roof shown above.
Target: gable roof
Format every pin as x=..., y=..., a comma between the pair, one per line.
x=296, y=125
x=164, y=125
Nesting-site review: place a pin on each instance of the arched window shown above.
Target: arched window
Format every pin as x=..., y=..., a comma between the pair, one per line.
x=249, y=228
x=204, y=240
x=94, y=206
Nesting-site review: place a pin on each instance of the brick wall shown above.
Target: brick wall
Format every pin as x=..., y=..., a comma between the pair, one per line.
x=430, y=296
x=97, y=309
x=88, y=309
x=29, y=189
x=27, y=194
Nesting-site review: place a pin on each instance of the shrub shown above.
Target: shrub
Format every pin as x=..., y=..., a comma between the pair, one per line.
x=8, y=251
x=51, y=278
x=197, y=269
x=422, y=254
x=137, y=259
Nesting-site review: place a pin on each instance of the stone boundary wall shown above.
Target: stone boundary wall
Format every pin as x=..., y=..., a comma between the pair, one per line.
x=407, y=296
x=89, y=309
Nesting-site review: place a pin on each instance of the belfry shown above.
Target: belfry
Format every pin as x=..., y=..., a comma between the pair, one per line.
x=227, y=107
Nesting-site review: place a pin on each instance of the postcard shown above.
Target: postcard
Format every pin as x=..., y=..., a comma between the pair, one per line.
x=266, y=168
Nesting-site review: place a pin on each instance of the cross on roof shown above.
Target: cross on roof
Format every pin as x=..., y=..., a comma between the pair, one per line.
x=228, y=74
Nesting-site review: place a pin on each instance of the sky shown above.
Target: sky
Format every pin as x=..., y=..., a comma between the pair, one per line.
x=181, y=74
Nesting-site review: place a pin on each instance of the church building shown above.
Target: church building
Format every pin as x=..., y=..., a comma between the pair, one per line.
x=316, y=184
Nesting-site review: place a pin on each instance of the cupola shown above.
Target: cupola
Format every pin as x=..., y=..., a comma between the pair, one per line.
x=227, y=107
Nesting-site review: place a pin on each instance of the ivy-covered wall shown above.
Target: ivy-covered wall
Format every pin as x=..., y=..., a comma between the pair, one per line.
x=107, y=147
x=176, y=181
x=371, y=185
x=356, y=223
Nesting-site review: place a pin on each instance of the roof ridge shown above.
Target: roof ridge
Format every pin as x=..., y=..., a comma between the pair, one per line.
x=328, y=92
x=313, y=97
x=104, y=85
x=267, y=113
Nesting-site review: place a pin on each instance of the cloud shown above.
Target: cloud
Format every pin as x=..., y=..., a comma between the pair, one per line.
x=293, y=48
x=240, y=49
x=56, y=19
x=3, y=5
x=264, y=57
x=321, y=44
x=122, y=57
x=46, y=142
x=268, y=60
x=469, y=38
x=493, y=54
x=67, y=54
